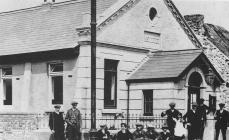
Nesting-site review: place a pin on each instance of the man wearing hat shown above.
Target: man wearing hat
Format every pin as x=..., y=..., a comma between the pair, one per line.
x=192, y=122
x=171, y=114
x=56, y=123
x=139, y=133
x=221, y=116
x=202, y=111
x=73, y=119
x=151, y=133
x=103, y=133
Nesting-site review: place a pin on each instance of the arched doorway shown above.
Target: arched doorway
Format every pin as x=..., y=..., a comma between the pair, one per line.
x=194, y=83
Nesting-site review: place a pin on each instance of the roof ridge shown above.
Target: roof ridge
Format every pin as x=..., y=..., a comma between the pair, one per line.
x=40, y=6
x=180, y=19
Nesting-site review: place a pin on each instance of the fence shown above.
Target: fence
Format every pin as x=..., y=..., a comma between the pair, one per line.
x=113, y=122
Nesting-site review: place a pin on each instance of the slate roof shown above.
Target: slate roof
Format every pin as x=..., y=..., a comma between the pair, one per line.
x=219, y=36
x=44, y=28
x=166, y=64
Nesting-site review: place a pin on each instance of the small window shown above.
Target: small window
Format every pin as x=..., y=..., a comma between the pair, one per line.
x=148, y=102
x=7, y=85
x=56, y=75
x=152, y=13
x=110, y=83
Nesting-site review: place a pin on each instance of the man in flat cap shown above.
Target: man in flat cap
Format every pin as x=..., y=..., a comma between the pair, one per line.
x=222, y=117
x=193, y=124
x=56, y=123
x=139, y=133
x=73, y=119
x=171, y=114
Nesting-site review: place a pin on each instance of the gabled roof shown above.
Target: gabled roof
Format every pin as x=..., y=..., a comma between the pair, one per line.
x=166, y=65
x=44, y=28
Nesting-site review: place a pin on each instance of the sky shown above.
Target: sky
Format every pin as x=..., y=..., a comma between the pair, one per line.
x=214, y=11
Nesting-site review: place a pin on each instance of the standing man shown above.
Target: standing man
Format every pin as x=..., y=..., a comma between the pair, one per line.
x=171, y=114
x=202, y=111
x=73, y=119
x=192, y=122
x=221, y=116
x=56, y=123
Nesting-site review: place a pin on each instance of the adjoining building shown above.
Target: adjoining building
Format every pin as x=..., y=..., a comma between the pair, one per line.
x=148, y=54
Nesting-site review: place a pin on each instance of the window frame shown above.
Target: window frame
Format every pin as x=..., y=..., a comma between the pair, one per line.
x=52, y=74
x=146, y=94
x=4, y=77
x=110, y=72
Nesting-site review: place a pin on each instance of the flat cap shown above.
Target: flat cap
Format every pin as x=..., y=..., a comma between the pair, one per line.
x=74, y=102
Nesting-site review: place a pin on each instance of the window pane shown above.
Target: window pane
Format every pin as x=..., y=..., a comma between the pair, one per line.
x=148, y=102
x=7, y=87
x=110, y=83
x=56, y=67
x=6, y=71
x=57, y=83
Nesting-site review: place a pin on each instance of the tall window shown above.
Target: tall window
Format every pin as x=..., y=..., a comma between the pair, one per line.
x=148, y=102
x=56, y=75
x=7, y=85
x=110, y=83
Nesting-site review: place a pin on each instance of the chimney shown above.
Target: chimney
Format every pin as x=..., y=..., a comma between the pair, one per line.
x=196, y=22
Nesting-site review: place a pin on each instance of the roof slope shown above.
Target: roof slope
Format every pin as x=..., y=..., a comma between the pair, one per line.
x=46, y=27
x=218, y=36
x=166, y=64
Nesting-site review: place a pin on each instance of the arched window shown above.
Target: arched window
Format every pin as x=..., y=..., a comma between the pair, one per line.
x=152, y=13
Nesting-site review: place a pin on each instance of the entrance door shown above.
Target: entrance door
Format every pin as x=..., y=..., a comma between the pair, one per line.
x=194, y=83
x=193, y=96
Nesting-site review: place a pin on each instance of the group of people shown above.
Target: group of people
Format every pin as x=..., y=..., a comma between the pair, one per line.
x=195, y=121
x=138, y=134
x=73, y=120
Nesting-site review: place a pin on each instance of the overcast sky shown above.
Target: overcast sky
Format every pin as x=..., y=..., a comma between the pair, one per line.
x=215, y=11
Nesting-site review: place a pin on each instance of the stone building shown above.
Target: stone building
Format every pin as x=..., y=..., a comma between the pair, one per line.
x=145, y=50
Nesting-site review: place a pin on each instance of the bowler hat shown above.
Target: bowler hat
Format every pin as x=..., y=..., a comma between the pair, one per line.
x=102, y=125
x=150, y=126
x=222, y=104
x=138, y=124
x=172, y=104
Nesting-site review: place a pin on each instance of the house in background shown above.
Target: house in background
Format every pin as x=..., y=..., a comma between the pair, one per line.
x=148, y=55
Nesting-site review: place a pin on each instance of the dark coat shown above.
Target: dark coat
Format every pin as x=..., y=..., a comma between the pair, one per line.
x=73, y=119
x=124, y=136
x=202, y=112
x=221, y=119
x=170, y=115
x=139, y=134
x=56, y=121
x=151, y=134
x=101, y=135
x=194, y=120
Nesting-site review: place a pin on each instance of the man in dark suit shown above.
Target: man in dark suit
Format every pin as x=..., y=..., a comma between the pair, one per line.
x=202, y=111
x=221, y=116
x=171, y=113
x=56, y=123
x=193, y=123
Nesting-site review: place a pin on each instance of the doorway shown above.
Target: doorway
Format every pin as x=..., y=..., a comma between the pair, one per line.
x=194, y=83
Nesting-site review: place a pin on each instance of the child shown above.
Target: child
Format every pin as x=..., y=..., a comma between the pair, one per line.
x=165, y=134
x=151, y=134
x=124, y=133
x=179, y=131
x=139, y=133
x=103, y=133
